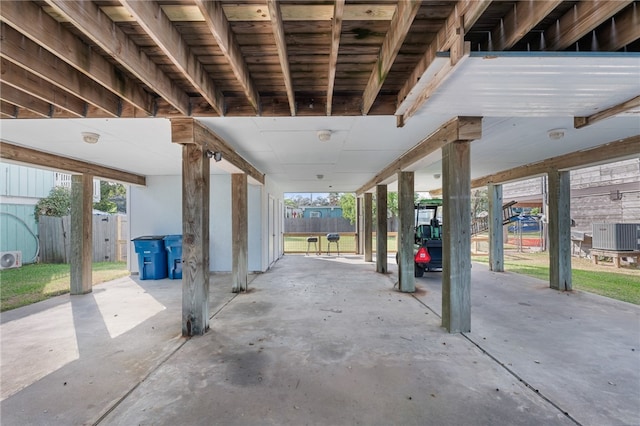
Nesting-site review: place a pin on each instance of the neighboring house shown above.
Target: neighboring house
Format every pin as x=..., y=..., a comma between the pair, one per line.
x=321, y=211
x=608, y=193
x=22, y=188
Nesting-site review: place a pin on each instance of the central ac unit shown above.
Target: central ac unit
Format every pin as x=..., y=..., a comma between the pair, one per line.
x=10, y=259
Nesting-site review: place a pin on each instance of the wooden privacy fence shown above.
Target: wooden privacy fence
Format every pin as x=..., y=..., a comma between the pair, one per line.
x=110, y=238
x=297, y=242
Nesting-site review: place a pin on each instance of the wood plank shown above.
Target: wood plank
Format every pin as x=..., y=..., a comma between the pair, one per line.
x=620, y=31
x=368, y=226
x=33, y=157
x=189, y=131
x=521, y=19
x=81, y=233
x=583, y=18
x=496, y=234
x=398, y=30
x=29, y=19
x=336, y=30
x=157, y=26
x=559, y=228
x=456, y=240
x=281, y=44
x=24, y=100
x=8, y=110
x=406, y=232
x=28, y=55
x=94, y=24
x=458, y=128
x=580, y=122
x=239, y=232
x=220, y=29
x=381, y=229
x=196, y=180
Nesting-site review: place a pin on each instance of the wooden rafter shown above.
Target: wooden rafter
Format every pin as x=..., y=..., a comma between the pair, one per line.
x=34, y=157
x=619, y=31
x=24, y=100
x=524, y=16
x=450, y=37
x=336, y=30
x=28, y=55
x=281, y=45
x=584, y=17
x=398, y=30
x=8, y=110
x=456, y=129
x=94, y=24
x=218, y=24
x=157, y=26
x=39, y=88
x=29, y=20
x=579, y=122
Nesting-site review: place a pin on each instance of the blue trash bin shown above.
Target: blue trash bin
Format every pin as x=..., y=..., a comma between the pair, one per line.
x=173, y=245
x=152, y=257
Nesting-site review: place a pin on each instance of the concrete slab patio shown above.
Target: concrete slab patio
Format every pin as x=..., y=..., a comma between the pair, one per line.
x=323, y=340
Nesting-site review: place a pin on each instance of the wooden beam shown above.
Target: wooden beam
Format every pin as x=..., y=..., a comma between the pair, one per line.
x=28, y=55
x=189, y=131
x=24, y=100
x=8, y=110
x=281, y=44
x=94, y=24
x=456, y=129
x=218, y=24
x=464, y=15
x=559, y=228
x=368, y=226
x=157, y=26
x=81, y=234
x=406, y=232
x=336, y=30
x=381, y=229
x=581, y=19
x=520, y=20
x=619, y=31
x=239, y=232
x=398, y=30
x=496, y=228
x=608, y=152
x=580, y=122
x=29, y=19
x=33, y=157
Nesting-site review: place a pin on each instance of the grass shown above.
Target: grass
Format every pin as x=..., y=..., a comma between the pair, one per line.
x=39, y=281
x=605, y=280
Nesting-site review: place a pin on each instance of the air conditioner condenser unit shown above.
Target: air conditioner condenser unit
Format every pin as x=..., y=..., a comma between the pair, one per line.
x=10, y=259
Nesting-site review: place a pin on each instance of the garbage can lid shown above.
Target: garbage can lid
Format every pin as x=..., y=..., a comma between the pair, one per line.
x=148, y=238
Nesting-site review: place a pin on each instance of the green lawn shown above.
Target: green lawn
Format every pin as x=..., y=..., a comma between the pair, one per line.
x=36, y=282
x=605, y=280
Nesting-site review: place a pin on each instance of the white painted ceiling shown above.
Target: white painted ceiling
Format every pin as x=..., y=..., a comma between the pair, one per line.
x=521, y=97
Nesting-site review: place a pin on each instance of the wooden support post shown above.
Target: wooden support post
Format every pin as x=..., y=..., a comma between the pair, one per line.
x=195, y=240
x=81, y=233
x=368, y=219
x=359, y=233
x=239, y=231
x=496, y=236
x=559, y=229
x=381, y=231
x=456, y=265
x=406, y=232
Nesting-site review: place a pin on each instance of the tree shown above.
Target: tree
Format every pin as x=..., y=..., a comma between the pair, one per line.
x=348, y=205
x=479, y=202
x=112, y=197
x=57, y=203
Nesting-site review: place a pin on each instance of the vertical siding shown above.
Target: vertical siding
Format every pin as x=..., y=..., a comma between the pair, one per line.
x=18, y=230
x=21, y=181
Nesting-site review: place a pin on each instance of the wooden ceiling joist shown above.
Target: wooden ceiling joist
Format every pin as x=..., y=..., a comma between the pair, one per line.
x=398, y=30
x=20, y=154
x=216, y=20
x=620, y=31
x=24, y=100
x=456, y=129
x=28, y=19
x=281, y=45
x=336, y=30
x=580, y=122
x=524, y=16
x=94, y=24
x=157, y=26
x=583, y=18
x=189, y=131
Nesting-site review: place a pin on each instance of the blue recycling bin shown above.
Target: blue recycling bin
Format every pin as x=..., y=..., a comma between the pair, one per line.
x=173, y=245
x=152, y=257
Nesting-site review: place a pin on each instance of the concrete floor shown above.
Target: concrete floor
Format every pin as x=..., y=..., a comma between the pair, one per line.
x=323, y=340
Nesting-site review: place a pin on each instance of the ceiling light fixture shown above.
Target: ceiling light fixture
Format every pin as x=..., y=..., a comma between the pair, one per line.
x=320, y=177
x=556, y=134
x=324, y=135
x=90, y=137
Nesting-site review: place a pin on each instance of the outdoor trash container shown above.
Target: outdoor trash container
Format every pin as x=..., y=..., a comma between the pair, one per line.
x=173, y=244
x=152, y=257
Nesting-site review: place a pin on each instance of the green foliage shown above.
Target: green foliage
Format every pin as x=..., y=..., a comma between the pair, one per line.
x=57, y=204
x=479, y=202
x=348, y=205
x=110, y=193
